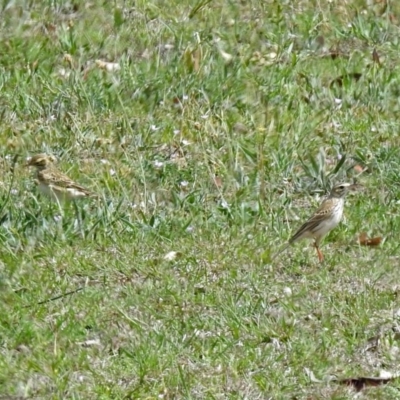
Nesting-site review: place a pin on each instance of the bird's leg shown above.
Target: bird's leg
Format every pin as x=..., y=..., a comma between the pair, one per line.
x=320, y=255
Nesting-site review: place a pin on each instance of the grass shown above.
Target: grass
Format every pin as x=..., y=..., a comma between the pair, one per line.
x=222, y=129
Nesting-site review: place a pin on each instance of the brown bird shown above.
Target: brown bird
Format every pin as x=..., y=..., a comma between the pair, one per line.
x=54, y=183
x=324, y=219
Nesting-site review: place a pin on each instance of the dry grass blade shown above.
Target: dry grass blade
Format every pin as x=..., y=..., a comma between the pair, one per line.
x=364, y=240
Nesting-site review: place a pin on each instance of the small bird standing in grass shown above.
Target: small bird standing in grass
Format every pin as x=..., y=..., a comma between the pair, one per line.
x=54, y=183
x=324, y=219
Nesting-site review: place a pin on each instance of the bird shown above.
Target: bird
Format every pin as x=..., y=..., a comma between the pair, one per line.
x=323, y=220
x=54, y=183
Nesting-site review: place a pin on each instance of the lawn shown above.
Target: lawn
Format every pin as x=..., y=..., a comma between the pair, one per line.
x=210, y=130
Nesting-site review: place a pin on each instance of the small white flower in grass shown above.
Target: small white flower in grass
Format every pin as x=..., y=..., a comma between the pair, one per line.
x=184, y=184
x=338, y=101
x=154, y=128
x=224, y=204
x=112, y=172
x=226, y=56
x=64, y=73
x=90, y=343
x=287, y=291
x=158, y=164
x=176, y=131
x=171, y=256
x=105, y=162
x=185, y=97
x=57, y=218
x=204, y=116
x=185, y=142
x=190, y=229
x=14, y=192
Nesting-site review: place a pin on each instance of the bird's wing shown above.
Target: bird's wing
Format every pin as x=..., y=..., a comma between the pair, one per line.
x=313, y=222
x=59, y=180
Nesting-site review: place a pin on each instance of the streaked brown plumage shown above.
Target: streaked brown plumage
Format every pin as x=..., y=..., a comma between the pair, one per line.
x=54, y=183
x=324, y=219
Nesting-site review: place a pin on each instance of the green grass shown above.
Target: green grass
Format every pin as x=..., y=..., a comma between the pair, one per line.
x=224, y=126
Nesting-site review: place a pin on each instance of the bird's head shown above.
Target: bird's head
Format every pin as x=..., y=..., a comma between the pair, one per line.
x=41, y=161
x=341, y=189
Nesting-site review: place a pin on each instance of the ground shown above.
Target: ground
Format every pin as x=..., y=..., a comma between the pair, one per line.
x=210, y=130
